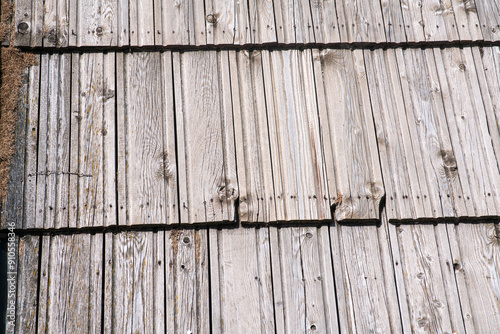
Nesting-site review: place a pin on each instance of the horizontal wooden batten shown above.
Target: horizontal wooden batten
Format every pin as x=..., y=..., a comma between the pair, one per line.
x=69, y=23
x=259, y=137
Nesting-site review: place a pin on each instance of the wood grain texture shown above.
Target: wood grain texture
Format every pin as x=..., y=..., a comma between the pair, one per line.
x=325, y=24
x=203, y=124
x=242, y=262
x=22, y=22
x=362, y=21
x=476, y=264
x=468, y=121
x=32, y=130
x=257, y=199
x=186, y=281
x=90, y=200
x=393, y=21
x=133, y=284
x=302, y=279
x=298, y=167
x=27, y=284
x=150, y=164
x=262, y=21
x=97, y=23
x=489, y=19
x=367, y=281
x=69, y=274
x=346, y=121
x=433, y=306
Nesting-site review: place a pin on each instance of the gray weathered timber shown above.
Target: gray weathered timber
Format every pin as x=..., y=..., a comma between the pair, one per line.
x=202, y=119
x=240, y=264
x=256, y=190
x=148, y=164
x=60, y=23
x=298, y=169
x=346, y=121
x=27, y=284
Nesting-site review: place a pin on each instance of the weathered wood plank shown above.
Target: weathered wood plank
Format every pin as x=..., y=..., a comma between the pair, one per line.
x=324, y=18
x=90, y=201
x=351, y=131
x=141, y=22
x=123, y=23
x=187, y=281
x=262, y=21
x=489, y=19
x=257, y=202
x=244, y=273
x=476, y=263
x=362, y=21
x=147, y=169
x=109, y=140
x=177, y=23
x=41, y=150
x=133, y=286
x=297, y=160
x=27, y=284
x=63, y=142
x=364, y=280
x=32, y=130
x=97, y=22
x=467, y=20
x=203, y=120
x=393, y=21
x=23, y=22
x=74, y=163
x=49, y=30
x=467, y=121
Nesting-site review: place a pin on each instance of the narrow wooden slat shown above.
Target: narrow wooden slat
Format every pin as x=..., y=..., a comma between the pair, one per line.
x=187, y=284
x=43, y=285
x=145, y=152
x=63, y=142
x=134, y=13
x=63, y=19
x=325, y=24
x=170, y=159
x=363, y=21
x=52, y=132
x=294, y=134
x=41, y=150
x=123, y=22
x=201, y=116
x=97, y=22
x=487, y=62
x=352, y=134
x=121, y=138
x=27, y=284
x=74, y=141
x=489, y=19
x=197, y=12
x=32, y=129
x=285, y=22
x=133, y=283
x=23, y=22
x=73, y=23
x=109, y=141
x=145, y=23
x=244, y=273
x=37, y=30
x=49, y=32
x=90, y=202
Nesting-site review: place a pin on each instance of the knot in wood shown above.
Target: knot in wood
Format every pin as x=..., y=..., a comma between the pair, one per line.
x=23, y=28
x=212, y=18
x=99, y=31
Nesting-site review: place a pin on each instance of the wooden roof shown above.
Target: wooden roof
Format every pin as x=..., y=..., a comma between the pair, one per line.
x=190, y=166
